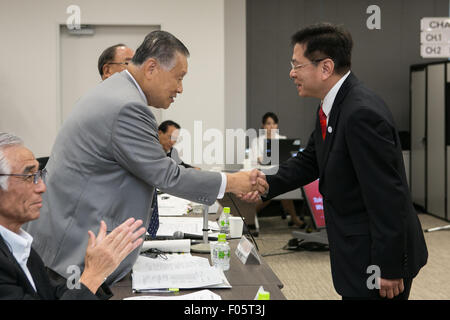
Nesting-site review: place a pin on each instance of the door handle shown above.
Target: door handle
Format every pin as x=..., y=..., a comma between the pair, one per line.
x=424, y=141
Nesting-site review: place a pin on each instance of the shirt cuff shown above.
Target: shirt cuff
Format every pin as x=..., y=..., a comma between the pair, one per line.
x=223, y=186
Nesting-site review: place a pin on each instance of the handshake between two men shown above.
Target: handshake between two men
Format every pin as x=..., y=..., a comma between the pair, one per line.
x=247, y=185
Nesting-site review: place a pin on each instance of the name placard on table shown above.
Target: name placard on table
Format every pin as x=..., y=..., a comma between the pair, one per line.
x=246, y=252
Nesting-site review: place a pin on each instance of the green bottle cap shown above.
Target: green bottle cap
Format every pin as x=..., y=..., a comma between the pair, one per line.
x=222, y=237
x=264, y=295
x=226, y=209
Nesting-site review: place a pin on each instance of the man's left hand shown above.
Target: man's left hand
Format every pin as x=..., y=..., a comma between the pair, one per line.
x=256, y=176
x=244, y=182
x=391, y=288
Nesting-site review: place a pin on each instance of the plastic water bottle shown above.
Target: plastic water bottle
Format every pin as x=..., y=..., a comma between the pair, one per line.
x=221, y=253
x=264, y=295
x=224, y=221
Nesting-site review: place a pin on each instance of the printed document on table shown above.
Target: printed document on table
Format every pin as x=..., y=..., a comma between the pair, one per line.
x=224, y=285
x=174, y=262
x=199, y=295
x=177, y=271
x=172, y=206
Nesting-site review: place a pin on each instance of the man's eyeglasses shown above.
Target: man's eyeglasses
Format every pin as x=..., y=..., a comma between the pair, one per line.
x=40, y=174
x=122, y=63
x=154, y=253
x=298, y=66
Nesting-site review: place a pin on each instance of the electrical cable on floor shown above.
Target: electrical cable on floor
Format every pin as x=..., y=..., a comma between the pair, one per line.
x=276, y=254
x=270, y=253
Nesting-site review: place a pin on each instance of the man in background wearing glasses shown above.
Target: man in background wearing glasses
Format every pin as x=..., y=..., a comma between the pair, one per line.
x=356, y=154
x=169, y=135
x=114, y=59
x=22, y=272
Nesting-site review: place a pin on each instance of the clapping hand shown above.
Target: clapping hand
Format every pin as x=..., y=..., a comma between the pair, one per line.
x=105, y=252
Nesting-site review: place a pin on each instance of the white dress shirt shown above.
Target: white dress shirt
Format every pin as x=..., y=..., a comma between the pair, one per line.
x=223, y=185
x=20, y=246
x=328, y=101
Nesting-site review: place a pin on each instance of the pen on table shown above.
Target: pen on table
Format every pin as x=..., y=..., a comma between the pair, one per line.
x=162, y=290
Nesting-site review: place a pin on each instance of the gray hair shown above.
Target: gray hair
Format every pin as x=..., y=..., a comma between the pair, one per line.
x=162, y=46
x=6, y=140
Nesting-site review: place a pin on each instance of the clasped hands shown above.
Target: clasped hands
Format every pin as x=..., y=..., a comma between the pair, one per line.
x=247, y=185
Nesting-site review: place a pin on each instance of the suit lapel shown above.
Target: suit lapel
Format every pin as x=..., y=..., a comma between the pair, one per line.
x=22, y=276
x=4, y=248
x=333, y=121
x=39, y=275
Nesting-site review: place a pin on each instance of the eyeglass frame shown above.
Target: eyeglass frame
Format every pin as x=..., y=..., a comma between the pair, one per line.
x=123, y=63
x=38, y=175
x=295, y=67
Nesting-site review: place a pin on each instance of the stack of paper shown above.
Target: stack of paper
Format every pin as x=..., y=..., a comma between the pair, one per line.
x=199, y=295
x=177, y=271
x=180, y=245
x=172, y=206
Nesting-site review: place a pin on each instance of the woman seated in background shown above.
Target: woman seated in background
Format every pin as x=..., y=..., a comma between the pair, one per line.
x=257, y=153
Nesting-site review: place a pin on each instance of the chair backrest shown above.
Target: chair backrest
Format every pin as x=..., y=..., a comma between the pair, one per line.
x=42, y=162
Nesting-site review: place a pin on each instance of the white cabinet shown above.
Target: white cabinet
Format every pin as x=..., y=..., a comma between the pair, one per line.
x=428, y=174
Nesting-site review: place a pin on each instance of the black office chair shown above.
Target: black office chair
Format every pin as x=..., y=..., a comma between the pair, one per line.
x=42, y=162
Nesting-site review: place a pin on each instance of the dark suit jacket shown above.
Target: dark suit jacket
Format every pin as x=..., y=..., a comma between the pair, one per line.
x=173, y=153
x=14, y=284
x=369, y=214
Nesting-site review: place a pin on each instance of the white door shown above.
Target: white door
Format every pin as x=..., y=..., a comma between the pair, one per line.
x=79, y=56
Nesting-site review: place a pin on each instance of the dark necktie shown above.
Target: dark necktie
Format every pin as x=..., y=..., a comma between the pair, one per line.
x=154, y=220
x=323, y=122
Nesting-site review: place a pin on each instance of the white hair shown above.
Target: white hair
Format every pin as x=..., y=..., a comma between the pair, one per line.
x=6, y=140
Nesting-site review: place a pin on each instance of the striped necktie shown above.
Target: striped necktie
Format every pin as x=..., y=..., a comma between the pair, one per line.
x=323, y=122
x=154, y=220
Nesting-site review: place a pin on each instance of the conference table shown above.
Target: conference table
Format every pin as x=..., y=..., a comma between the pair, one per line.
x=244, y=279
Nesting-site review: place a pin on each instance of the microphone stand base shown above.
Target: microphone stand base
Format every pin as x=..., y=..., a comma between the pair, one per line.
x=201, y=248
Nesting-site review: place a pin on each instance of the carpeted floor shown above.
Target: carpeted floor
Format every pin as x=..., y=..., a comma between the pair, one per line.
x=307, y=276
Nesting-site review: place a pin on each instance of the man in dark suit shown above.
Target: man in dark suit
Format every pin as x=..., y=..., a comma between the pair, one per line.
x=168, y=133
x=22, y=272
x=355, y=152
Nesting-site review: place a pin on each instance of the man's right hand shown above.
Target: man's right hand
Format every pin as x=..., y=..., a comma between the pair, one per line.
x=244, y=182
x=255, y=196
x=104, y=253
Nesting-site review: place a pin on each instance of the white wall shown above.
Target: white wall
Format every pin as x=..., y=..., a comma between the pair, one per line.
x=235, y=66
x=29, y=89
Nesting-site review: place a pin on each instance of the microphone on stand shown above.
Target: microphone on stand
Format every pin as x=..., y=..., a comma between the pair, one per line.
x=182, y=235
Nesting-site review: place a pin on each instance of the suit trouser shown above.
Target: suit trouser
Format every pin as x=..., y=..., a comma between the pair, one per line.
x=407, y=283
